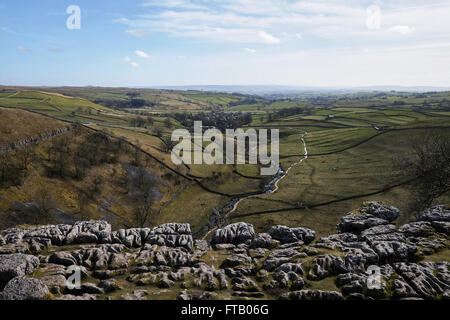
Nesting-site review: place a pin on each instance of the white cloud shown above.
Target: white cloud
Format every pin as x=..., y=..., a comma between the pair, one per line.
x=136, y=33
x=402, y=29
x=142, y=54
x=179, y=4
x=250, y=50
x=23, y=49
x=373, y=20
x=131, y=62
x=286, y=21
x=268, y=38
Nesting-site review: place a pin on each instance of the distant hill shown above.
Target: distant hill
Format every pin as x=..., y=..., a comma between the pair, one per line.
x=279, y=89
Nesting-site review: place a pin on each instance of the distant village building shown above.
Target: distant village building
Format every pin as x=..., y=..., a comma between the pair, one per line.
x=330, y=116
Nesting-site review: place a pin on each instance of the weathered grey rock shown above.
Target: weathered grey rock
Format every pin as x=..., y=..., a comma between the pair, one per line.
x=393, y=251
x=393, y=236
x=136, y=295
x=401, y=289
x=264, y=240
x=16, y=265
x=351, y=283
x=171, y=235
x=427, y=279
x=441, y=226
x=354, y=284
x=13, y=235
x=437, y=213
x=234, y=233
x=21, y=247
x=64, y=258
x=83, y=297
x=24, y=289
x=185, y=296
x=287, y=235
x=53, y=276
x=383, y=229
x=312, y=295
x=358, y=255
x=55, y=233
x=89, y=232
x=132, y=238
x=326, y=265
x=89, y=288
x=279, y=257
x=335, y=241
x=257, y=253
x=202, y=245
x=417, y=229
x=378, y=210
x=357, y=223
x=224, y=246
x=165, y=282
x=243, y=284
x=236, y=260
x=290, y=267
x=358, y=297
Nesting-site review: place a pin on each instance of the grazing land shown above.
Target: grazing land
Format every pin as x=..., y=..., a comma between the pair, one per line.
x=352, y=142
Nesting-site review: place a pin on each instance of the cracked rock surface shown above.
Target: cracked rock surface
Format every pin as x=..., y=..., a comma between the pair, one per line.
x=368, y=258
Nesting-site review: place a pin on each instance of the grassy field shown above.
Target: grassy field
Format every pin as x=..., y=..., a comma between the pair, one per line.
x=351, y=142
x=17, y=124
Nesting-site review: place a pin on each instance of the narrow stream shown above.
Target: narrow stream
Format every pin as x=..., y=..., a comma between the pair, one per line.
x=269, y=188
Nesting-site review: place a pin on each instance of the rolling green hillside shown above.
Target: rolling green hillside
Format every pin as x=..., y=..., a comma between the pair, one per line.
x=352, y=141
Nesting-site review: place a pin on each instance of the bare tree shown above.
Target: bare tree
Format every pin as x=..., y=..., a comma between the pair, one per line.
x=167, y=143
x=430, y=165
x=25, y=156
x=142, y=187
x=58, y=154
x=158, y=131
x=4, y=162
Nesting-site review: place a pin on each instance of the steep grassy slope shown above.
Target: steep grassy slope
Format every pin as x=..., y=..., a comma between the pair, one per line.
x=84, y=173
x=17, y=124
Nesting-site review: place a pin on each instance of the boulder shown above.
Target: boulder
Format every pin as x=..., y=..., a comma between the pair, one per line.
x=383, y=229
x=378, y=210
x=264, y=240
x=287, y=235
x=417, y=229
x=441, y=226
x=312, y=295
x=279, y=257
x=234, y=233
x=437, y=213
x=55, y=233
x=16, y=265
x=109, y=285
x=132, y=238
x=171, y=235
x=326, y=265
x=64, y=258
x=428, y=280
x=25, y=289
x=89, y=232
x=136, y=295
x=358, y=223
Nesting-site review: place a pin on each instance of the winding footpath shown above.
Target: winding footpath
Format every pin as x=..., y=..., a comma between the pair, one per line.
x=234, y=203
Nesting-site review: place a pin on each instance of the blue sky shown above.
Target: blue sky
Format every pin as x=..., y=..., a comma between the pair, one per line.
x=230, y=42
